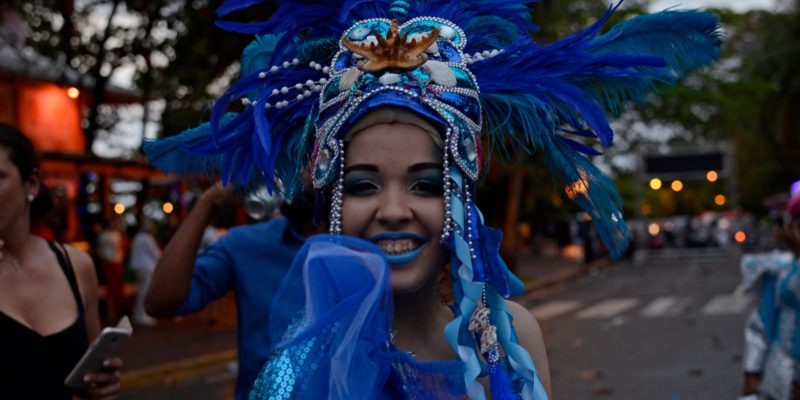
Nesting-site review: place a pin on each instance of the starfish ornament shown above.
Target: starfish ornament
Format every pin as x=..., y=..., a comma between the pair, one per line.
x=393, y=51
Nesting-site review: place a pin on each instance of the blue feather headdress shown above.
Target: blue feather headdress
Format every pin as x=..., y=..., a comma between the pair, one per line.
x=307, y=77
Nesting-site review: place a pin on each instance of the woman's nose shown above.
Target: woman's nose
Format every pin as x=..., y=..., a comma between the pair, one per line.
x=394, y=208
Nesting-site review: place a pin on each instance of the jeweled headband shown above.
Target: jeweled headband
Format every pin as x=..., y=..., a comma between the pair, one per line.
x=471, y=68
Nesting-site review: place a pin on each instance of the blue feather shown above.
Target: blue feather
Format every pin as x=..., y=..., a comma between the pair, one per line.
x=258, y=54
x=566, y=83
x=594, y=192
x=579, y=147
x=686, y=40
x=500, y=383
x=230, y=6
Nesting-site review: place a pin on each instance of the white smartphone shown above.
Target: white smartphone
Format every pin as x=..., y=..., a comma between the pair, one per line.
x=107, y=344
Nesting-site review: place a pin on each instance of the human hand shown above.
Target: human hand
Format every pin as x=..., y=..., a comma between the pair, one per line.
x=218, y=194
x=750, y=384
x=104, y=384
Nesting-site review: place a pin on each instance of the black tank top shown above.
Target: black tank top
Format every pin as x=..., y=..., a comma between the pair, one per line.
x=33, y=366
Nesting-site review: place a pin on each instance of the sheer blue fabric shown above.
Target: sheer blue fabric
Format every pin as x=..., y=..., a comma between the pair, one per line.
x=331, y=323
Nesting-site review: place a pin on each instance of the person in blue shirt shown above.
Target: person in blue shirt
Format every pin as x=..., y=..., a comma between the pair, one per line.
x=250, y=260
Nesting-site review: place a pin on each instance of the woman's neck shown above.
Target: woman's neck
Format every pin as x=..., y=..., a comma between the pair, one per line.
x=15, y=237
x=419, y=322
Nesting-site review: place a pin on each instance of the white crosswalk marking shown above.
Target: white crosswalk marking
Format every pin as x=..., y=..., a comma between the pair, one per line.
x=608, y=308
x=727, y=304
x=554, y=309
x=666, y=306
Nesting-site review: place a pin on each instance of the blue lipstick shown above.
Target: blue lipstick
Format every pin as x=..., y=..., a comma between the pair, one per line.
x=396, y=259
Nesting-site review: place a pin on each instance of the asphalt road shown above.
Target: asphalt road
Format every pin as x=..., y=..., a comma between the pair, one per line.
x=668, y=328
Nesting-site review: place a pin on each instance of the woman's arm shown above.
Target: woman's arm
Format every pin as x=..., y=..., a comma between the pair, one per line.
x=530, y=337
x=101, y=384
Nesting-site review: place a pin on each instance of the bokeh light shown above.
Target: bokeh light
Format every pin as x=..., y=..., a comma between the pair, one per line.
x=119, y=208
x=720, y=199
x=655, y=183
x=712, y=176
x=167, y=208
x=653, y=229
x=677, y=185
x=73, y=92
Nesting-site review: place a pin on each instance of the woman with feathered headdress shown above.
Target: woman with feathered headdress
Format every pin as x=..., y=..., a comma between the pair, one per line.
x=388, y=101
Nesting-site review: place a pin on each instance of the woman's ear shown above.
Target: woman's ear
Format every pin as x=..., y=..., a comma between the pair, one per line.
x=33, y=185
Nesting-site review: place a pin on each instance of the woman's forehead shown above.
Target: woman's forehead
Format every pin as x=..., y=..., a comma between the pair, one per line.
x=384, y=143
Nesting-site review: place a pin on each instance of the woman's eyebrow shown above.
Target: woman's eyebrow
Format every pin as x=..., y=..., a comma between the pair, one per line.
x=361, y=167
x=424, y=166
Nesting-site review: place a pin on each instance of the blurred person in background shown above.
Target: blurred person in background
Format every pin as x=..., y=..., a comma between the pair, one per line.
x=772, y=352
x=249, y=260
x=111, y=255
x=144, y=256
x=48, y=292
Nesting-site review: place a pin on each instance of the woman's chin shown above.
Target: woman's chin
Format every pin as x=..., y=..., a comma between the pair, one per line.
x=410, y=277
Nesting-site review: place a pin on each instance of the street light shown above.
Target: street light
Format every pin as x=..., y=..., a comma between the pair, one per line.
x=712, y=176
x=655, y=183
x=719, y=199
x=73, y=92
x=119, y=208
x=677, y=185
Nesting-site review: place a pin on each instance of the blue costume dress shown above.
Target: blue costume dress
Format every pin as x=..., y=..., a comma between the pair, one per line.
x=331, y=324
x=772, y=337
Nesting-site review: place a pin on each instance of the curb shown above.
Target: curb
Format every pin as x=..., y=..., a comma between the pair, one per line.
x=538, y=288
x=170, y=372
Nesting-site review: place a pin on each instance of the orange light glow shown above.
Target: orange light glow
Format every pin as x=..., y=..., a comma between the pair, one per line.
x=579, y=187
x=653, y=229
x=50, y=118
x=119, y=208
x=712, y=176
x=719, y=200
x=677, y=185
x=73, y=92
x=740, y=237
x=167, y=208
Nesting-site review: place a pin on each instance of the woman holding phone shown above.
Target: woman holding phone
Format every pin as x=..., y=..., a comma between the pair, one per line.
x=48, y=293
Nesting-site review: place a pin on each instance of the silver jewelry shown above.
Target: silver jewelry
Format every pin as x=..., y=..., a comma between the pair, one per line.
x=13, y=261
x=336, y=197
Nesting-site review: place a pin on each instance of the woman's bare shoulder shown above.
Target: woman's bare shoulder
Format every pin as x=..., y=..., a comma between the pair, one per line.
x=530, y=337
x=524, y=322
x=83, y=265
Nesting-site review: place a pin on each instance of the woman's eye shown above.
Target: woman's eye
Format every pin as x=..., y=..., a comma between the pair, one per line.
x=361, y=187
x=428, y=187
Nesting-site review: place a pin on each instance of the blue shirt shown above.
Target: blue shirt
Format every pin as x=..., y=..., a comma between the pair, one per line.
x=251, y=260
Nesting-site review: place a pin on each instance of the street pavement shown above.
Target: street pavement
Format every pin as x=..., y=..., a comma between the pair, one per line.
x=666, y=325
x=667, y=328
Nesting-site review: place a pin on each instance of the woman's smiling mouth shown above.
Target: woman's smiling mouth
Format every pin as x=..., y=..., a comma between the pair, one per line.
x=399, y=248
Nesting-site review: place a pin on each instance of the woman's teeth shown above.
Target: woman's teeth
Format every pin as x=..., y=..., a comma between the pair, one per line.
x=401, y=246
